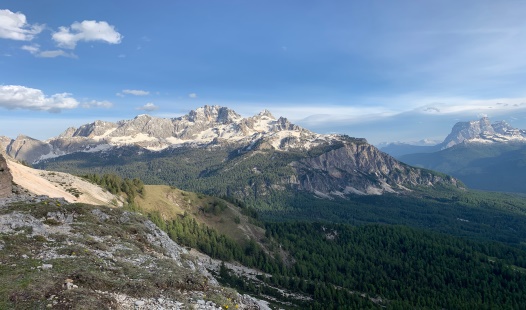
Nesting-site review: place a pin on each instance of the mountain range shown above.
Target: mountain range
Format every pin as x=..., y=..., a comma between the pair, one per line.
x=483, y=155
x=200, y=127
x=227, y=154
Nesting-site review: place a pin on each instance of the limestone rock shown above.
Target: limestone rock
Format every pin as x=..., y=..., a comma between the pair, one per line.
x=6, y=179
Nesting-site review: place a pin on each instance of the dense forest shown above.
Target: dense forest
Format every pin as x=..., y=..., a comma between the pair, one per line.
x=344, y=266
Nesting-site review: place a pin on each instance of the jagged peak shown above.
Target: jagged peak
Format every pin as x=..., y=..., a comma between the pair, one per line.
x=265, y=113
x=24, y=137
x=68, y=133
x=213, y=113
x=95, y=128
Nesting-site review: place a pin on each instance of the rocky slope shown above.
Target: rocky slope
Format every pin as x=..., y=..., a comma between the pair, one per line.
x=60, y=185
x=78, y=256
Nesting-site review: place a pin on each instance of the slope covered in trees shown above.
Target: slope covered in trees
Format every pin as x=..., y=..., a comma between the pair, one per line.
x=342, y=266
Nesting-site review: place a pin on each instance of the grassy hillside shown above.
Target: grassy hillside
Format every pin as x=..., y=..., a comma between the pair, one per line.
x=223, y=216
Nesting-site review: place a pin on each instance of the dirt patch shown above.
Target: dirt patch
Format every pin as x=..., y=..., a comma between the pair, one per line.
x=60, y=185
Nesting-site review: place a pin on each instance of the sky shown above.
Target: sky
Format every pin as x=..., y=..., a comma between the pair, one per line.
x=381, y=70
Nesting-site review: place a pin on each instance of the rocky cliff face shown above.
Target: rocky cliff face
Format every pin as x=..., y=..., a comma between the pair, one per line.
x=360, y=168
x=6, y=179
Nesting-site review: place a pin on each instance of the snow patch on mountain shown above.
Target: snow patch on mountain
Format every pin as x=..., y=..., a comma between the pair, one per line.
x=204, y=126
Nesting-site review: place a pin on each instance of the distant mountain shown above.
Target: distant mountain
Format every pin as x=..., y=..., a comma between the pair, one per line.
x=204, y=126
x=479, y=131
x=215, y=150
x=484, y=155
x=482, y=131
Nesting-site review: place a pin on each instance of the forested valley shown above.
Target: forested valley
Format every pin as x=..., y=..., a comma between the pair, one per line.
x=346, y=266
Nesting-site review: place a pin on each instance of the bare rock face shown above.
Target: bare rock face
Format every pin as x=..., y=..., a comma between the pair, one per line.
x=360, y=168
x=27, y=148
x=6, y=179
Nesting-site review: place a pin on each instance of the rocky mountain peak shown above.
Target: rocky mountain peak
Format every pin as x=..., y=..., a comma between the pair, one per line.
x=482, y=131
x=265, y=113
x=200, y=127
x=97, y=128
x=212, y=114
x=68, y=132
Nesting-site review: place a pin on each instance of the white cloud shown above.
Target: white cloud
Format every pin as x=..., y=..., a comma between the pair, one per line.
x=88, y=30
x=149, y=107
x=192, y=95
x=21, y=97
x=56, y=53
x=97, y=104
x=135, y=92
x=15, y=27
x=34, y=49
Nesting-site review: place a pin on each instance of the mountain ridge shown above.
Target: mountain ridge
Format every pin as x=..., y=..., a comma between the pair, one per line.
x=480, y=131
x=288, y=156
x=205, y=125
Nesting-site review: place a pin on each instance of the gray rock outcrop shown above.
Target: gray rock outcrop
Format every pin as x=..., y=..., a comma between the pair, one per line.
x=6, y=179
x=360, y=168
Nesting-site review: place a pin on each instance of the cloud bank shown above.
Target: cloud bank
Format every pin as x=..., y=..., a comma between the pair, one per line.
x=20, y=97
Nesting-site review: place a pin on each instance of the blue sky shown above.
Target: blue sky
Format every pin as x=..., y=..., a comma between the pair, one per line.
x=383, y=70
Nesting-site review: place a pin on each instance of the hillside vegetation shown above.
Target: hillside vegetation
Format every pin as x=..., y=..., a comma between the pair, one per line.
x=339, y=266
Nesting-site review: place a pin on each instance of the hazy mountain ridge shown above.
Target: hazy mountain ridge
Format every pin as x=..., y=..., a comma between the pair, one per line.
x=483, y=155
x=480, y=131
x=483, y=131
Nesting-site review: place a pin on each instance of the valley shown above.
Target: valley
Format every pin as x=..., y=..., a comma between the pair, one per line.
x=285, y=222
